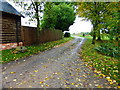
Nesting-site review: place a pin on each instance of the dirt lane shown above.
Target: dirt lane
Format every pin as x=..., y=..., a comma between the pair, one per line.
x=59, y=67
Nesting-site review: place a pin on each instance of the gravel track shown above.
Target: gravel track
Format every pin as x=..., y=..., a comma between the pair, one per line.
x=59, y=67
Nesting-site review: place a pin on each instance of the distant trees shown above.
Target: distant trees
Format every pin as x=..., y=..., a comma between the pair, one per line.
x=58, y=16
x=104, y=16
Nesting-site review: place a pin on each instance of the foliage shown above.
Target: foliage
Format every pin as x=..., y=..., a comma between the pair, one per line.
x=103, y=16
x=108, y=66
x=59, y=16
x=112, y=20
x=8, y=55
x=67, y=34
x=109, y=49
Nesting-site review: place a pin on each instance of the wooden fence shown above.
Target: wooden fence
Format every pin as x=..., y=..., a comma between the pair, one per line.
x=28, y=35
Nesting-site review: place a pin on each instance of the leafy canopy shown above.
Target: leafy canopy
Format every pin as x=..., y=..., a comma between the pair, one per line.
x=59, y=16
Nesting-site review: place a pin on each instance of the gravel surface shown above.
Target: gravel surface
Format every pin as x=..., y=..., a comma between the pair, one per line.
x=59, y=67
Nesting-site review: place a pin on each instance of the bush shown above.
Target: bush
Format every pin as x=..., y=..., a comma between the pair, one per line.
x=109, y=49
x=67, y=34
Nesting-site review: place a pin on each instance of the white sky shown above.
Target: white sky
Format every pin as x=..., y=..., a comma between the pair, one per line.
x=80, y=26
x=77, y=27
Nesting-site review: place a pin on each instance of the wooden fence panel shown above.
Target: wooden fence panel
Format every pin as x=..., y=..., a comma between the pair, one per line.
x=29, y=35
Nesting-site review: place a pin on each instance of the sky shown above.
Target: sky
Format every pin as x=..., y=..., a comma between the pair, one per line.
x=78, y=26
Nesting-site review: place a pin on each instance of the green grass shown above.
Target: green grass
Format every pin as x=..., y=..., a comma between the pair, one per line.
x=86, y=36
x=107, y=65
x=8, y=55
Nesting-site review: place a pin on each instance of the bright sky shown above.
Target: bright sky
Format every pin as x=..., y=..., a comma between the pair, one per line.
x=78, y=26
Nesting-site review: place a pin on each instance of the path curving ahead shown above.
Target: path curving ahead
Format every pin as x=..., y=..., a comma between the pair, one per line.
x=59, y=67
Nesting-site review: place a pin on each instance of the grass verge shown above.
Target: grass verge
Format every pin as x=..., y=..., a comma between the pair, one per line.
x=8, y=56
x=105, y=66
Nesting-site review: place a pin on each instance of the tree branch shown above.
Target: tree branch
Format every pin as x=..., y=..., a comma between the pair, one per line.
x=33, y=4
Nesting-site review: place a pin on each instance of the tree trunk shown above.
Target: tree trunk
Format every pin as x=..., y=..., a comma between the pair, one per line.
x=94, y=37
x=38, y=22
x=99, y=37
x=94, y=33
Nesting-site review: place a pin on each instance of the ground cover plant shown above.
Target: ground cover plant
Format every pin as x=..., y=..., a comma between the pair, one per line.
x=103, y=64
x=9, y=55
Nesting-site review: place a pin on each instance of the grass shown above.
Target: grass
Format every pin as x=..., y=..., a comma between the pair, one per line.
x=106, y=66
x=8, y=55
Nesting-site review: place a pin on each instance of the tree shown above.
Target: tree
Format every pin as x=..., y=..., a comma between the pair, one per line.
x=92, y=11
x=58, y=16
x=33, y=10
x=104, y=17
x=112, y=18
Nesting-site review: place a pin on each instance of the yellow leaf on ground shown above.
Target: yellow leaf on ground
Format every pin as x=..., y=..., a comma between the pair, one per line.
x=47, y=78
x=12, y=72
x=118, y=86
x=35, y=70
x=103, y=75
x=67, y=87
x=41, y=82
x=111, y=82
x=47, y=85
x=99, y=86
x=72, y=83
x=45, y=66
x=108, y=78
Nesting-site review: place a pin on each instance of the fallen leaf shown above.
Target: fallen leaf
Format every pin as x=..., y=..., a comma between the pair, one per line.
x=12, y=72
x=77, y=69
x=118, y=86
x=45, y=66
x=107, y=78
x=14, y=80
x=99, y=86
x=41, y=82
x=6, y=77
x=76, y=85
x=21, y=74
x=72, y=83
x=23, y=82
x=96, y=85
x=114, y=81
x=111, y=82
x=47, y=78
x=35, y=70
x=47, y=85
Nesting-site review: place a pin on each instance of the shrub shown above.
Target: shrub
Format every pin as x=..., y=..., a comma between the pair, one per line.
x=109, y=49
x=67, y=34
